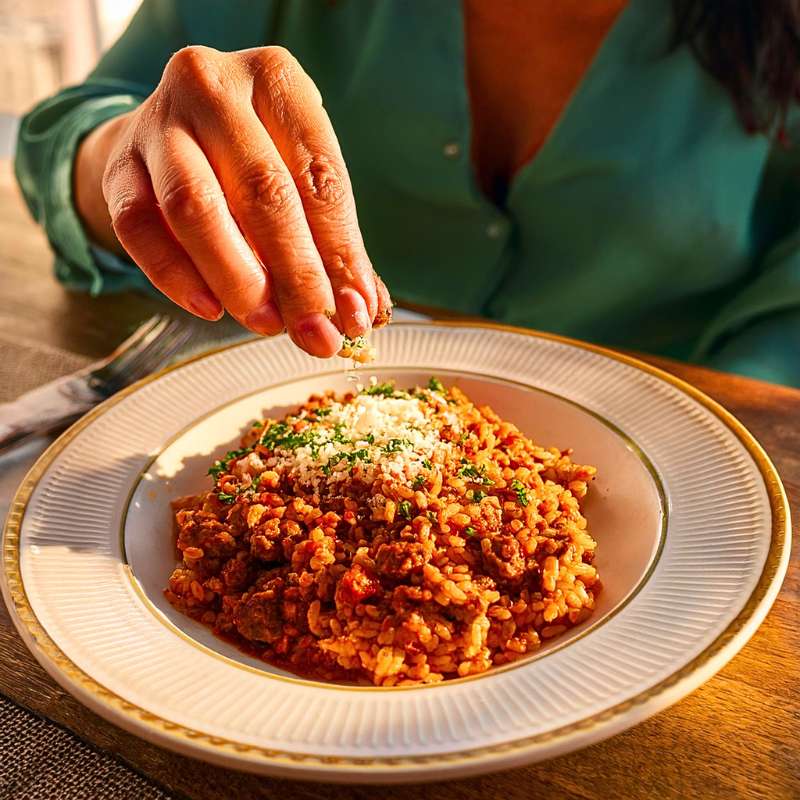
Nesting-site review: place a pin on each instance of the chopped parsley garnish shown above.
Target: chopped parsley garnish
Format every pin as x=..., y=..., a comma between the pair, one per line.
x=322, y=412
x=357, y=455
x=404, y=507
x=477, y=495
x=382, y=389
x=463, y=438
x=221, y=465
x=338, y=434
x=435, y=385
x=427, y=464
x=469, y=531
x=216, y=469
x=473, y=474
x=520, y=491
x=226, y=498
x=274, y=434
x=418, y=482
x=432, y=516
x=396, y=445
x=369, y=438
x=257, y=424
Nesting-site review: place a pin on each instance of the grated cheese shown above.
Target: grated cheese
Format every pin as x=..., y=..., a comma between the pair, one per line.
x=379, y=433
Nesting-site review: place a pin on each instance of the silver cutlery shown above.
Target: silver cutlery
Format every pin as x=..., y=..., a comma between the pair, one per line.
x=56, y=405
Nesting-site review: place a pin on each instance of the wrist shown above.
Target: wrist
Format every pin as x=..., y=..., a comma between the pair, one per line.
x=87, y=181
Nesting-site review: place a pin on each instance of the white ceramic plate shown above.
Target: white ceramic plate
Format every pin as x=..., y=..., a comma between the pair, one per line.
x=689, y=514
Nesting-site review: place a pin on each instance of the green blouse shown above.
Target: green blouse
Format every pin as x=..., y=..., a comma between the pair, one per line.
x=649, y=220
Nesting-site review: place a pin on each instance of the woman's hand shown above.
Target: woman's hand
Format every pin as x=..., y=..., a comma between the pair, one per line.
x=228, y=188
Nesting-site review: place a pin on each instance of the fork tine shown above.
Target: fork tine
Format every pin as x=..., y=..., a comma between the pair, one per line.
x=161, y=350
x=138, y=336
x=149, y=357
x=126, y=354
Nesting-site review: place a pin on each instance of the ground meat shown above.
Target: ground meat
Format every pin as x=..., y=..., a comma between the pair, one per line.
x=490, y=516
x=202, y=529
x=292, y=533
x=403, y=595
x=484, y=583
x=397, y=560
x=258, y=618
x=355, y=585
x=265, y=542
x=504, y=560
x=236, y=574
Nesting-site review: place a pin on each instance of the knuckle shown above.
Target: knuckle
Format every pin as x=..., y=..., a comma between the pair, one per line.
x=191, y=61
x=244, y=284
x=264, y=189
x=344, y=266
x=158, y=269
x=301, y=289
x=198, y=71
x=278, y=71
x=322, y=182
x=278, y=58
x=189, y=202
x=130, y=218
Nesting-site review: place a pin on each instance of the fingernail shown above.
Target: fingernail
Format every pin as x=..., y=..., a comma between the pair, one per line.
x=317, y=335
x=265, y=319
x=353, y=312
x=206, y=305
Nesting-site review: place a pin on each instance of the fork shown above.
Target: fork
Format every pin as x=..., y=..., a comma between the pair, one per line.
x=56, y=405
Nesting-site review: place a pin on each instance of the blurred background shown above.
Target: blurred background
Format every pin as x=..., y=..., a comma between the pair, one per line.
x=47, y=44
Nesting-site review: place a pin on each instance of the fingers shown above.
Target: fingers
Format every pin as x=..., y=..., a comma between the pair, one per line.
x=290, y=108
x=264, y=202
x=384, y=314
x=140, y=228
x=196, y=212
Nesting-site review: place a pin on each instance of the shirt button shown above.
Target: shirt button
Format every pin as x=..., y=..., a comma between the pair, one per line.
x=494, y=230
x=451, y=150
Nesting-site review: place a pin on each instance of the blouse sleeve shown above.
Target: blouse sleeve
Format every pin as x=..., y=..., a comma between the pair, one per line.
x=49, y=135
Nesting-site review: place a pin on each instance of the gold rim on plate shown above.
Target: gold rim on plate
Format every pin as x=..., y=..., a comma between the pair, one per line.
x=167, y=732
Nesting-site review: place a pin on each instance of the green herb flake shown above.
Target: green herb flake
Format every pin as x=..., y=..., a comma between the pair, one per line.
x=226, y=498
x=323, y=412
x=404, y=507
x=383, y=389
x=427, y=464
x=396, y=445
x=418, y=482
x=216, y=469
x=338, y=434
x=473, y=474
x=521, y=492
x=470, y=531
x=221, y=465
x=477, y=495
x=435, y=385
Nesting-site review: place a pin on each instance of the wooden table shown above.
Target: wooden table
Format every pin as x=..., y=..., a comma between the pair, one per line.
x=736, y=737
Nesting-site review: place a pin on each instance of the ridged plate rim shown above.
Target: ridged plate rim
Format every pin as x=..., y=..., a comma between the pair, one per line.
x=418, y=767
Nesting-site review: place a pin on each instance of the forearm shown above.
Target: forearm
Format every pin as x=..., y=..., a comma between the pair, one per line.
x=90, y=163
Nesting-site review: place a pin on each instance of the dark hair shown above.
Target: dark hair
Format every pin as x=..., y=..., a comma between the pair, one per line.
x=752, y=47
